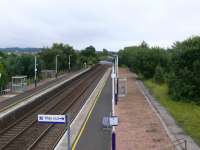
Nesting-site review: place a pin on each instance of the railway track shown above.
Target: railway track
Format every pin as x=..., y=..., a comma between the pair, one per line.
x=27, y=133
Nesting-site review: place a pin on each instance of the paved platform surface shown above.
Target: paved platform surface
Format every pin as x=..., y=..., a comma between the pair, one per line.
x=40, y=84
x=93, y=136
x=139, y=127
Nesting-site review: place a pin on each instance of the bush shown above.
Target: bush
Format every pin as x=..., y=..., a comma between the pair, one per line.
x=143, y=60
x=184, y=81
x=159, y=75
x=179, y=66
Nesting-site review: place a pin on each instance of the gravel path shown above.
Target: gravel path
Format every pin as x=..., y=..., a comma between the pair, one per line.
x=139, y=128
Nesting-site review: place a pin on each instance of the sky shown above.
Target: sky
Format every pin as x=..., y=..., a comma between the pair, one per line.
x=110, y=24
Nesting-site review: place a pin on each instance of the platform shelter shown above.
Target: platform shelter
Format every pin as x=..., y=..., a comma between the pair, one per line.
x=19, y=84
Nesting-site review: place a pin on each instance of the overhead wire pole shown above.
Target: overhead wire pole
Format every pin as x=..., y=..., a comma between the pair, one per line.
x=35, y=79
x=117, y=65
x=116, y=78
x=69, y=63
x=113, y=105
x=68, y=133
x=56, y=66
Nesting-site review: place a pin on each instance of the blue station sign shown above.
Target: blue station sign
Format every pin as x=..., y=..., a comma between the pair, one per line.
x=55, y=119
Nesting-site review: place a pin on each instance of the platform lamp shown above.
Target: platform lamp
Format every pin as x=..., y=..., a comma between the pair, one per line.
x=0, y=77
x=35, y=78
x=113, y=75
x=69, y=63
x=0, y=85
x=116, y=77
x=57, y=65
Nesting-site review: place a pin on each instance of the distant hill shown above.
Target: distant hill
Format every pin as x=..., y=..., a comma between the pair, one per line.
x=20, y=50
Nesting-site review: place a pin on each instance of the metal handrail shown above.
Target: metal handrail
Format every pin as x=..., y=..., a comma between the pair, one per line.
x=180, y=142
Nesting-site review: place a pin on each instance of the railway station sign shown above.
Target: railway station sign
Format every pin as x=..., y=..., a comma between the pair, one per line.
x=110, y=121
x=55, y=119
x=113, y=75
x=113, y=121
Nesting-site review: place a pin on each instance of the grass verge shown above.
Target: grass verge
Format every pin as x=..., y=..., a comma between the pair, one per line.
x=186, y=114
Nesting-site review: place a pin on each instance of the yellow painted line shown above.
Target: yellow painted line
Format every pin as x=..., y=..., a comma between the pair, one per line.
x=87, y=118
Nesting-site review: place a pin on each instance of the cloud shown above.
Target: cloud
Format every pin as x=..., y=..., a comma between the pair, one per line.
x=112, y=24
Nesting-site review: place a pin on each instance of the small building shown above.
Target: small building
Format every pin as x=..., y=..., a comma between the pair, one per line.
x=19, y=84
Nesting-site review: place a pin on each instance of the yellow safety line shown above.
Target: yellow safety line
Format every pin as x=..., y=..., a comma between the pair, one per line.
x=87, y=118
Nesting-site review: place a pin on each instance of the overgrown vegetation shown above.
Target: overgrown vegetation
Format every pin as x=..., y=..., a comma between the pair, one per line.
x=178, y=67
x=186, y=114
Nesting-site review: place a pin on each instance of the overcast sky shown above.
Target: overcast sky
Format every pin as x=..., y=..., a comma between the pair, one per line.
x=111, y=24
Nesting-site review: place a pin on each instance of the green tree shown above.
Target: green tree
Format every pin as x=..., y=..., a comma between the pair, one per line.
x=89, y=55
x=3, y=76
x=159, y=75
x=184, y=81
x=48, y=56
x=143, y=60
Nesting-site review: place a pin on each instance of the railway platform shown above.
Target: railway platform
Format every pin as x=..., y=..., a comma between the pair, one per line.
x=41, y=84
x=11, y=106
x=86, y=129
x=93, y=136
x=75, y=97
x=139, y=127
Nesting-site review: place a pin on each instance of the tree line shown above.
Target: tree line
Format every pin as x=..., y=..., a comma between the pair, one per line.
x=178, y=67
x=12, y=64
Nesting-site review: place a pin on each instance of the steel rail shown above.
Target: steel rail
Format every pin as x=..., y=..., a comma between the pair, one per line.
x=47, y=111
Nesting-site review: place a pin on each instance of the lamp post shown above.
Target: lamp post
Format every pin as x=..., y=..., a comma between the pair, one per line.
x=116, y=77
x=0, y=84
x=56, y=66
x=35, y=79
x=69, y=63
x=0, y=79
x=113, y=75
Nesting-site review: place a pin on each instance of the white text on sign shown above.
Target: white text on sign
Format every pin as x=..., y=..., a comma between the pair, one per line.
x=60, y=119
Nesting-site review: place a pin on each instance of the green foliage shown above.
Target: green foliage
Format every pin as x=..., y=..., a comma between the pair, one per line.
x=3, y=77
x=89, y=52
x=188, y=44
x=89, y=55
x=185, y=113
x=184, y=82
x=2, y=55
x=143, y=60
x=23, y=64
x=179, y=66
x=103, y=55
x=48, y=56
x=159, y=75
